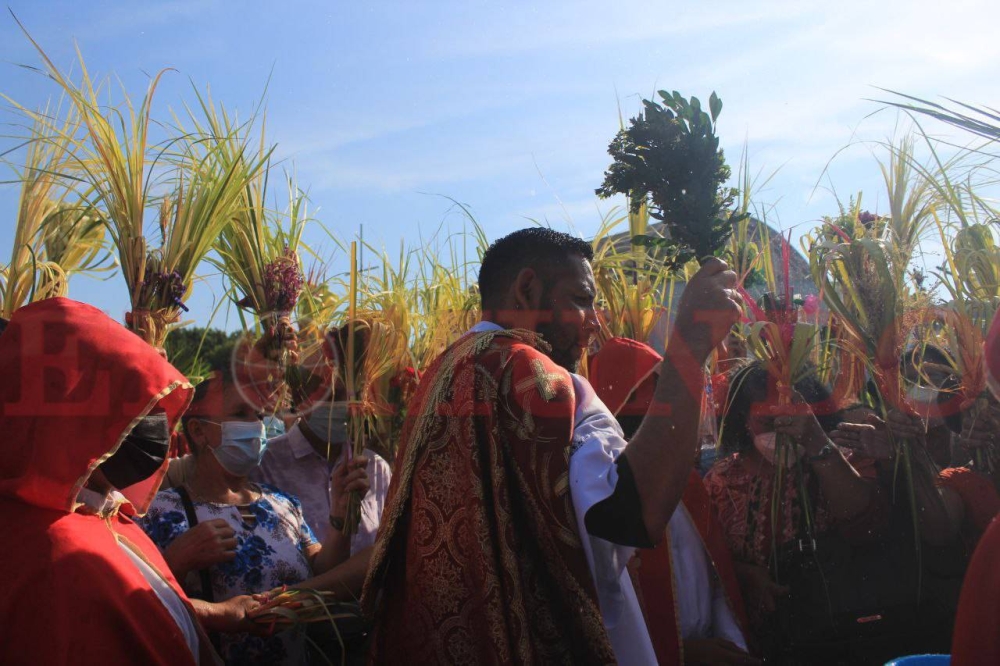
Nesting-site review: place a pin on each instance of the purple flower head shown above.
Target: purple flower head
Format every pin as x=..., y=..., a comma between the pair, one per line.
x=867, y=219
x=165, y=289
x=283, y=282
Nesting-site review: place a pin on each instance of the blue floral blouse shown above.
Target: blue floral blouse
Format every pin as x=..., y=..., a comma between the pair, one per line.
x=270, y=552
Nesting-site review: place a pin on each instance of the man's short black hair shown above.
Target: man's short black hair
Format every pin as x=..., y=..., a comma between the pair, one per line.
x=540, y=248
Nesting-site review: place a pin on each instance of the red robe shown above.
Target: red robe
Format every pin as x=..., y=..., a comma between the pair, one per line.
x=74, y=383
x=979, y=498
x=478, y=559
x=623, y=376
x=655, y=578
x=977, y=624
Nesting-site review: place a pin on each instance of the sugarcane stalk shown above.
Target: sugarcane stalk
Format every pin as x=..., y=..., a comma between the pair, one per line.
x=776, y=504
x=779, y=478
x=355, y=416
x=905, y=455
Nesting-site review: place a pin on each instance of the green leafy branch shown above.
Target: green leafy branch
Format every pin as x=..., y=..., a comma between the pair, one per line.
x=669, y=159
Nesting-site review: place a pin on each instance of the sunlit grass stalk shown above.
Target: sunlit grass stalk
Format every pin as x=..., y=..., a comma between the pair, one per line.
x=116, y=159
x=113, y=157
x=971, y=277
x=356, y=419
x=633, y=286
x=910, y=208
x=860, y=287
x=53, y=238
x=784, y=346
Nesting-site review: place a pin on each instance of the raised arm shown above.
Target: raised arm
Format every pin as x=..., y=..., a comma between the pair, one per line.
x=663, y=449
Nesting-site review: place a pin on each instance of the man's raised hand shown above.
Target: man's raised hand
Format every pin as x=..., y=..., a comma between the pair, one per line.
x=708, y=308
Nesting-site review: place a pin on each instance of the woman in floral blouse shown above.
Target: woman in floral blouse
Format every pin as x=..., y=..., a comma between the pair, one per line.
x=223, y=535
x=843, y=494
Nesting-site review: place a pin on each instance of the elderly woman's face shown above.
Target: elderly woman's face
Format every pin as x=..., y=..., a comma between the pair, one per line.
x=226, y=405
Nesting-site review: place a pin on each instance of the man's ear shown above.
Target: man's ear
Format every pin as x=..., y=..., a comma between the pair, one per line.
x=527, y=290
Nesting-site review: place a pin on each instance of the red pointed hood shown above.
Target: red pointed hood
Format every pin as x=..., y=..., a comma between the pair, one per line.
x=621, y=373
x=74, y=384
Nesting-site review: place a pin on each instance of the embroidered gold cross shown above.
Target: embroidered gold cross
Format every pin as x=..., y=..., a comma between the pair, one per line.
x=545, y=381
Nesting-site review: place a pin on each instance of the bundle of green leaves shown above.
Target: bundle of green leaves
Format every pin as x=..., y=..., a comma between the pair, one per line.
x=669, y=158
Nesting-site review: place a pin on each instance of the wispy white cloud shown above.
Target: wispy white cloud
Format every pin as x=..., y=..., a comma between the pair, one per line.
x=513, y=28
x=510, y=106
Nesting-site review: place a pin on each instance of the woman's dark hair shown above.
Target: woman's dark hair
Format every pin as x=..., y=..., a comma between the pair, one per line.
x=540, y=248
x=753, y=385
x=208, y=391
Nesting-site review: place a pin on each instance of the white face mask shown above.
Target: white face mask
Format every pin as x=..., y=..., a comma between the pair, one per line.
x=273, y=426
x=922, y=396
x=242, y=447
x=766, y=443
x=328, y=420
x=924, y=399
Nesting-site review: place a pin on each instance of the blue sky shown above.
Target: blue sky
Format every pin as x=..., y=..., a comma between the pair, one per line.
x=508, y=107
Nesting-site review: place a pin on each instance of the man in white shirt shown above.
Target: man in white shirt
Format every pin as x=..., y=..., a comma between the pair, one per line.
x=311, y=461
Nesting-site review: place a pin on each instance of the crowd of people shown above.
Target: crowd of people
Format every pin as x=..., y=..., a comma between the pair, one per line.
x=542, y=508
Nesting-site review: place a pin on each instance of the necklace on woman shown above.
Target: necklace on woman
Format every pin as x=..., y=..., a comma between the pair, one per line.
x=245, y=510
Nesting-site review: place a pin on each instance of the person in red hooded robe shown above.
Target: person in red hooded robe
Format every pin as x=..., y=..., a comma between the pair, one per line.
x=86, y=410
x=702, y=621
x=977, y=624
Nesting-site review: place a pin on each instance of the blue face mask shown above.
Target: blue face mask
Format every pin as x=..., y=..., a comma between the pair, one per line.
x=242, y=448
x=274, y=426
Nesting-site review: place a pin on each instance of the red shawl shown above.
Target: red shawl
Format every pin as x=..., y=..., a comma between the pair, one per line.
x=978, y=494
x=622, y=374
x=74, y=384
x=478, y=559
x=977, y=625
x=656, y=581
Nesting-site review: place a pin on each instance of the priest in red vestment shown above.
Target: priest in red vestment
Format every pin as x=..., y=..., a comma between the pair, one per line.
x=977, y=624
x=515, y=504
x=703, y=617
x=86, y=409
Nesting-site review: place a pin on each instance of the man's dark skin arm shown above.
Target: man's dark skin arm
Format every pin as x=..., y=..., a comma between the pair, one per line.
x=345, y=579
x=660, y=454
